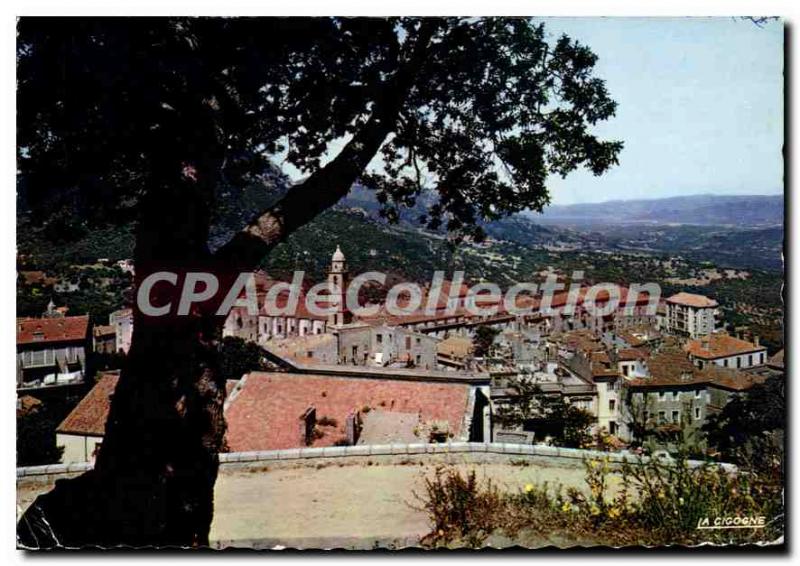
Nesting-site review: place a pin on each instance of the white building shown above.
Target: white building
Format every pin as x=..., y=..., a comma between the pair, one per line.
x=81, y=433
x=726, y=351
x=691, y=315
x=122, y=321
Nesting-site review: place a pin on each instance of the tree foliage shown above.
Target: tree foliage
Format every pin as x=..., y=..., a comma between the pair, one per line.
x=491, y=107
x=238, y=357
x=483, y=340
x=751, y=424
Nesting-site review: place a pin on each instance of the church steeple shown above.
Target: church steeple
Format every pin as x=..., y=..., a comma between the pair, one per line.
x=337, y=282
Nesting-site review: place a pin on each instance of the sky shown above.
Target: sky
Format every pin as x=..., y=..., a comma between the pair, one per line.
x=700, y=107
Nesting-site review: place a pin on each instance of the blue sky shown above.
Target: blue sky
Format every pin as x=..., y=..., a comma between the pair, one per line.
x=700, y=107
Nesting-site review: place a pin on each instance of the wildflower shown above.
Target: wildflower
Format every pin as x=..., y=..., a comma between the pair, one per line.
x=528, y=487
x=614, y=512
x=566, y=507
x=592, y=464
x=661, y=494
x=594, y=510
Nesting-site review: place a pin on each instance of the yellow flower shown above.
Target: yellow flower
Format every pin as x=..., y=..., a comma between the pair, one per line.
x=662, y=495
x=613, y=512
x=566, y=507
x=595, y=510
x=528, y=487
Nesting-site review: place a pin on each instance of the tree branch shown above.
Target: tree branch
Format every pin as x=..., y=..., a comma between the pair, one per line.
x=324, y=188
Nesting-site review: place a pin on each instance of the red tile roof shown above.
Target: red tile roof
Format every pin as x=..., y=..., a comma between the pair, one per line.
x=720, y=345
x=692, y=300
x=61, y=329
x=265, y=415
x=90, y=415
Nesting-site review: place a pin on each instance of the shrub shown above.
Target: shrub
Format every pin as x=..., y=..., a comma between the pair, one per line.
x=460, y=508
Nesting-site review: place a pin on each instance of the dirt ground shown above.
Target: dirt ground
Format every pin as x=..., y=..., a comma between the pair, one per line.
x=347, y=505
x=357, y=503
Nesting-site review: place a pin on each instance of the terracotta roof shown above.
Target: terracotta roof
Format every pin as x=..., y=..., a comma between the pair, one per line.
x=90, y=415
x=692, y=300
x=732, y=379
x=61, y=329
x=631, y=354
x=719, y=345
x=581, y=340
x=672, y=368
x=265, y=415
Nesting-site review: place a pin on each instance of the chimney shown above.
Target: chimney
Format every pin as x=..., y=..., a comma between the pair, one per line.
x=757, y=340
x=308, y=422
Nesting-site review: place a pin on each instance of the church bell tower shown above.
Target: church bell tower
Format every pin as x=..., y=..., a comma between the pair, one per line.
x=337, y=282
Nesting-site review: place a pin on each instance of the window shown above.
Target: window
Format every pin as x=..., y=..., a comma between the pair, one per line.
x=408, y=342
x=662, y=395
x=676, y=416
x=418, y=360
x=697, y=413
x=697, y=393
x=612, y=427
x=612, y=404
x=379, y=338
x=750, y=360
x=761, y=358
x=725, y=363
x=309, y=354
x=675, y=395
x=738, y=362
x=662, y=416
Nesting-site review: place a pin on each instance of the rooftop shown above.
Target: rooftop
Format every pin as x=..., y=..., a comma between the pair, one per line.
x=692, y=300
x=720, y=345
x=90, y=415
x=265, y=413
x=61, y=329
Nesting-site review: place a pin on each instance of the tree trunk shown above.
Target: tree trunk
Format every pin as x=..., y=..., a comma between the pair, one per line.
x=154, y=477
x=153, y=481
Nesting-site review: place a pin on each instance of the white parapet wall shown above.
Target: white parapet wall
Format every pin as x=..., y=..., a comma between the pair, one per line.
x=534, y=451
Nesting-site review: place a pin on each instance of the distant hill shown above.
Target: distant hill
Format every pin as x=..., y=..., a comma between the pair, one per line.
x=752, y=211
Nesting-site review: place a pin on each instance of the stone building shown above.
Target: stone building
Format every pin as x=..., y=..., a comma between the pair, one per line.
x=382, y=345
x=677, y=397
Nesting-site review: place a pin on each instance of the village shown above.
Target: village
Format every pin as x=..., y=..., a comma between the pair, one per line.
x=630, y=380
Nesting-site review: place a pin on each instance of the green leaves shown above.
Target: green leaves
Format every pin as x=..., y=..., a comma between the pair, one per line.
x=494, y=108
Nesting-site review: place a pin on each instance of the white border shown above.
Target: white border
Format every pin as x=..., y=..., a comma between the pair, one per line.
x=785, y=8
